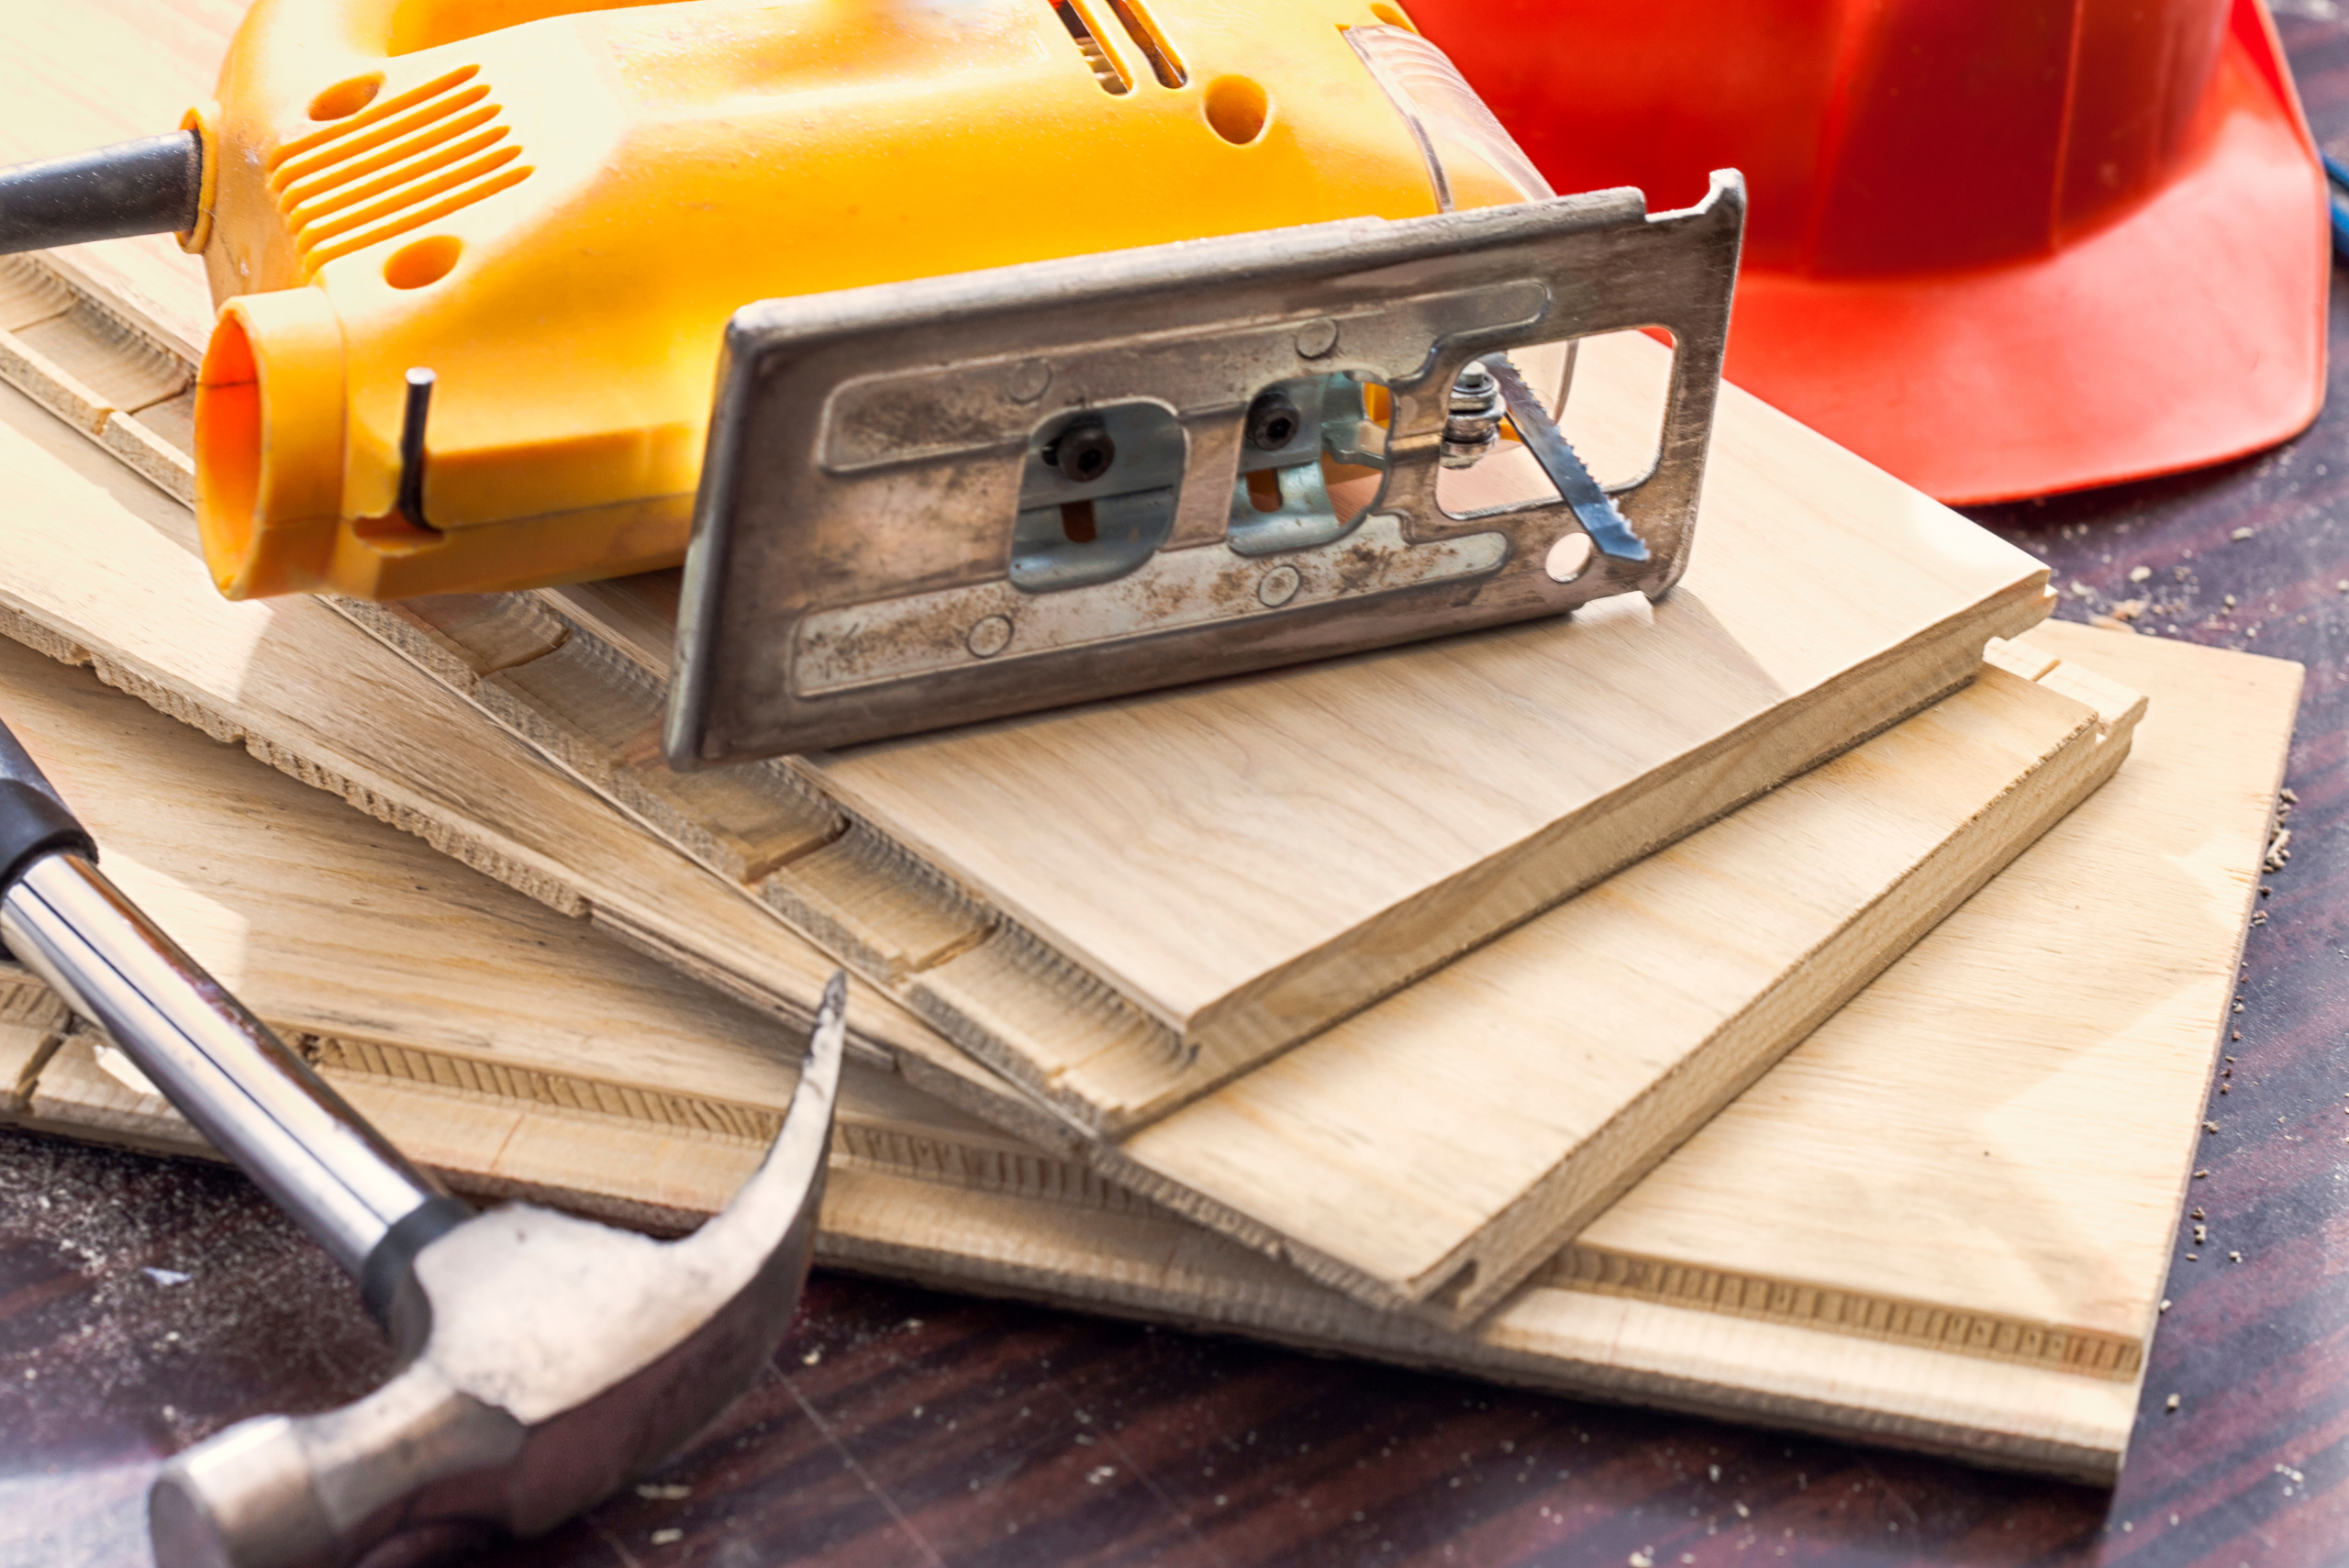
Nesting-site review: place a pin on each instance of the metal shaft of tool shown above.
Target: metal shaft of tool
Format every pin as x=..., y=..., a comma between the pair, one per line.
x=259, y=1103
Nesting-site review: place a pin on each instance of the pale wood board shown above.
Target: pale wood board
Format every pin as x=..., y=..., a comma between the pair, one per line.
x=348, y=934
x=1492, y=1198
x=2031, y=1140
x=2064, y=1021
x=384, y=963
x=1123, y=906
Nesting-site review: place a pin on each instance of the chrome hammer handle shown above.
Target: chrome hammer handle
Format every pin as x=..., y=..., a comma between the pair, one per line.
x=259, y=1103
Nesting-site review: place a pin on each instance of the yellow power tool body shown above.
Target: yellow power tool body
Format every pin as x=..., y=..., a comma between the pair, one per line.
x=554, y=208
x=972, y=356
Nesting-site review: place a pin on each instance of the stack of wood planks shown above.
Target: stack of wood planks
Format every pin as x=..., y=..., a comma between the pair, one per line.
x=1791, y=999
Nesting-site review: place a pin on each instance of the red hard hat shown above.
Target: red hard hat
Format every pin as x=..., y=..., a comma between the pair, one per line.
x=1998, y=246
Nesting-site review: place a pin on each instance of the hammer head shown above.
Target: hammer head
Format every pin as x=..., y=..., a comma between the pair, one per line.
x=559, y=1359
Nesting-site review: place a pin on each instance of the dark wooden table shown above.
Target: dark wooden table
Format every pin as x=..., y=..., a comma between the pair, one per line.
x=145, y=1302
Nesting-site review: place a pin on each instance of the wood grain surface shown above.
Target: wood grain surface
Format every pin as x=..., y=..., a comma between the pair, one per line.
x=901, y=1426
x=1441, y=1144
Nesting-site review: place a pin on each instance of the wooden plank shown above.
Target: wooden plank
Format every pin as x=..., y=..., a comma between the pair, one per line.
x=532, y=1035
x=2069, y=1012
x=983, y=969
x=339, y=927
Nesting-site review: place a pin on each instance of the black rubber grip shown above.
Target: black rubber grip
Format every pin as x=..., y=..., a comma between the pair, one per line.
x=148, y=187
x=393, y=1262
x=33, y=824
x=33, y=819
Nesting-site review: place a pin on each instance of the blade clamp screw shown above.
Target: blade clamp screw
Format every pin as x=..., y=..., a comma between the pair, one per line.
x=1082, y=453
x=1272, y=422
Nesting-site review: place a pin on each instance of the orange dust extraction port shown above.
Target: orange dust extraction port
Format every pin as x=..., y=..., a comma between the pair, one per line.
x=554, y=208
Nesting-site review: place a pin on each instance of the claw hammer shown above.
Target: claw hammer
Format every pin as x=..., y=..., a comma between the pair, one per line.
x=546, y=1360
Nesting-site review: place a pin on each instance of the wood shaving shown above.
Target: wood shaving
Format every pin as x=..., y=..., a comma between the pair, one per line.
x=2277, y=853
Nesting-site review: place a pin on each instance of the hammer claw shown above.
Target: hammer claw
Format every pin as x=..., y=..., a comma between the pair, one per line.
x=560, y=1359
